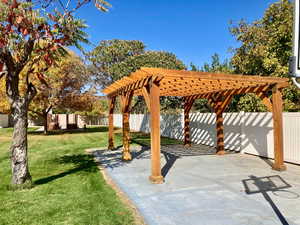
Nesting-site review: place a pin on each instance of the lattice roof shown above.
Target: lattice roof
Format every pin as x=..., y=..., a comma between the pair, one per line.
x=190, y=83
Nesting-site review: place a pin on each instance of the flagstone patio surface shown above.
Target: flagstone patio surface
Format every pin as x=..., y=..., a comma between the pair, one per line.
x=202, y=188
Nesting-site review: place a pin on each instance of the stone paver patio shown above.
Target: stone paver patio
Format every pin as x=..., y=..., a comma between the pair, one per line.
x=205, y=189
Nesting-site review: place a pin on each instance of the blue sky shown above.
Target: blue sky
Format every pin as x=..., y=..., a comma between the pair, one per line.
x=192, y=29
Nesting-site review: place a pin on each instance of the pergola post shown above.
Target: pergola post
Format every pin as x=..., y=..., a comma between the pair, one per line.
x=278, y=130
x=188, y=103
x=111, y=104
x=219, y=105
x=156, y=176
x=125, y=102
x=220, y=133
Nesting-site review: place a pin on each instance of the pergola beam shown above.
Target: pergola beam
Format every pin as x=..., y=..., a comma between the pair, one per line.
x=146, y=96
x=266, y=101
x=202, y=92
x=209, y=76
x=133, y=85
x=262, y=94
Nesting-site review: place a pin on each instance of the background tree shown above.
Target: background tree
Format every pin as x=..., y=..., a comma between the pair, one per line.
x=32, y=33
x=266, y=46
x=66, y=89
x=215, y=66
x=194, y=67
x=99, y=107
x=109, y=53
x=4, y=104
x=114, y=59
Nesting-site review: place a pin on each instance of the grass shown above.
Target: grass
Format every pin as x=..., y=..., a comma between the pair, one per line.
x=138, y=138
x=68, y=188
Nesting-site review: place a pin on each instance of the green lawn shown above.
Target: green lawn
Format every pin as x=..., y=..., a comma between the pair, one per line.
x=68, y=188
x=138, y=138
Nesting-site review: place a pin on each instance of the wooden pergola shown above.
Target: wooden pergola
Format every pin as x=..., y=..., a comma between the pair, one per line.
x=218, y=89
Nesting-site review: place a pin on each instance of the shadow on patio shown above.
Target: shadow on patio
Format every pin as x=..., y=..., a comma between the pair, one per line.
x=171, y=150
x=264, y=185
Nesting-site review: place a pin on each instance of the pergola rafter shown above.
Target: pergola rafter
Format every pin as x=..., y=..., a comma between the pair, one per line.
x=219, y=89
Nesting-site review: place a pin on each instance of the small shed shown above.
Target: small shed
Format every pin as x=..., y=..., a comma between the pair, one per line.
x=217, y=88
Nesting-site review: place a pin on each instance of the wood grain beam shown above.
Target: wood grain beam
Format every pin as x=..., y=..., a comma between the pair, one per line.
x=125, y=104
x=146, y=96
x=188, y=103
x=111, y=104
x=213, y=76
x=156, y=176
x=278, y=130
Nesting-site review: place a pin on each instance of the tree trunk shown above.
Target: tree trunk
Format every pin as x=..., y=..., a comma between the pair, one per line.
x=19, y=159
x=45, y=118
x=19, y=111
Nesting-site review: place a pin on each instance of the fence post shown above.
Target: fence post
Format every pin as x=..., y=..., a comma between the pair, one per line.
x=181, y=137
x=242, y=134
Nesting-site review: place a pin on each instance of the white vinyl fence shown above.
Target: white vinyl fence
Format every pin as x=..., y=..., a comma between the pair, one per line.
x=246, y=132
x=80, y=120
x=4, y=120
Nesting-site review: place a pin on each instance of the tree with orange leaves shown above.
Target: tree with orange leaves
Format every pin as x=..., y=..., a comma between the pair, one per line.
x=4, y=104
x=33, y=35
x=65, y=90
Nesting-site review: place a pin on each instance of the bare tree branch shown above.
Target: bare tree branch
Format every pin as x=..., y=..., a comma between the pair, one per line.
x=3, y=70
x=49, y=108
x=2, y=74
x=31, y=92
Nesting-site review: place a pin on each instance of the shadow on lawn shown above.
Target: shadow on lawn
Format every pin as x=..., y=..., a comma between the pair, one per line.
x=75, y=131
x=113, y=159
x=82, y=163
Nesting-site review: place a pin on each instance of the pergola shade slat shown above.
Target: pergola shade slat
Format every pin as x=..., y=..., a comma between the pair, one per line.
x=177, y=82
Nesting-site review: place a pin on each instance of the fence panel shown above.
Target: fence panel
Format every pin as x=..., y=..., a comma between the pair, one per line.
x=291, y=131
x=80, y=120
x=203, y=129
x=257, y=129
x=4, y=120
x=246, y=132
